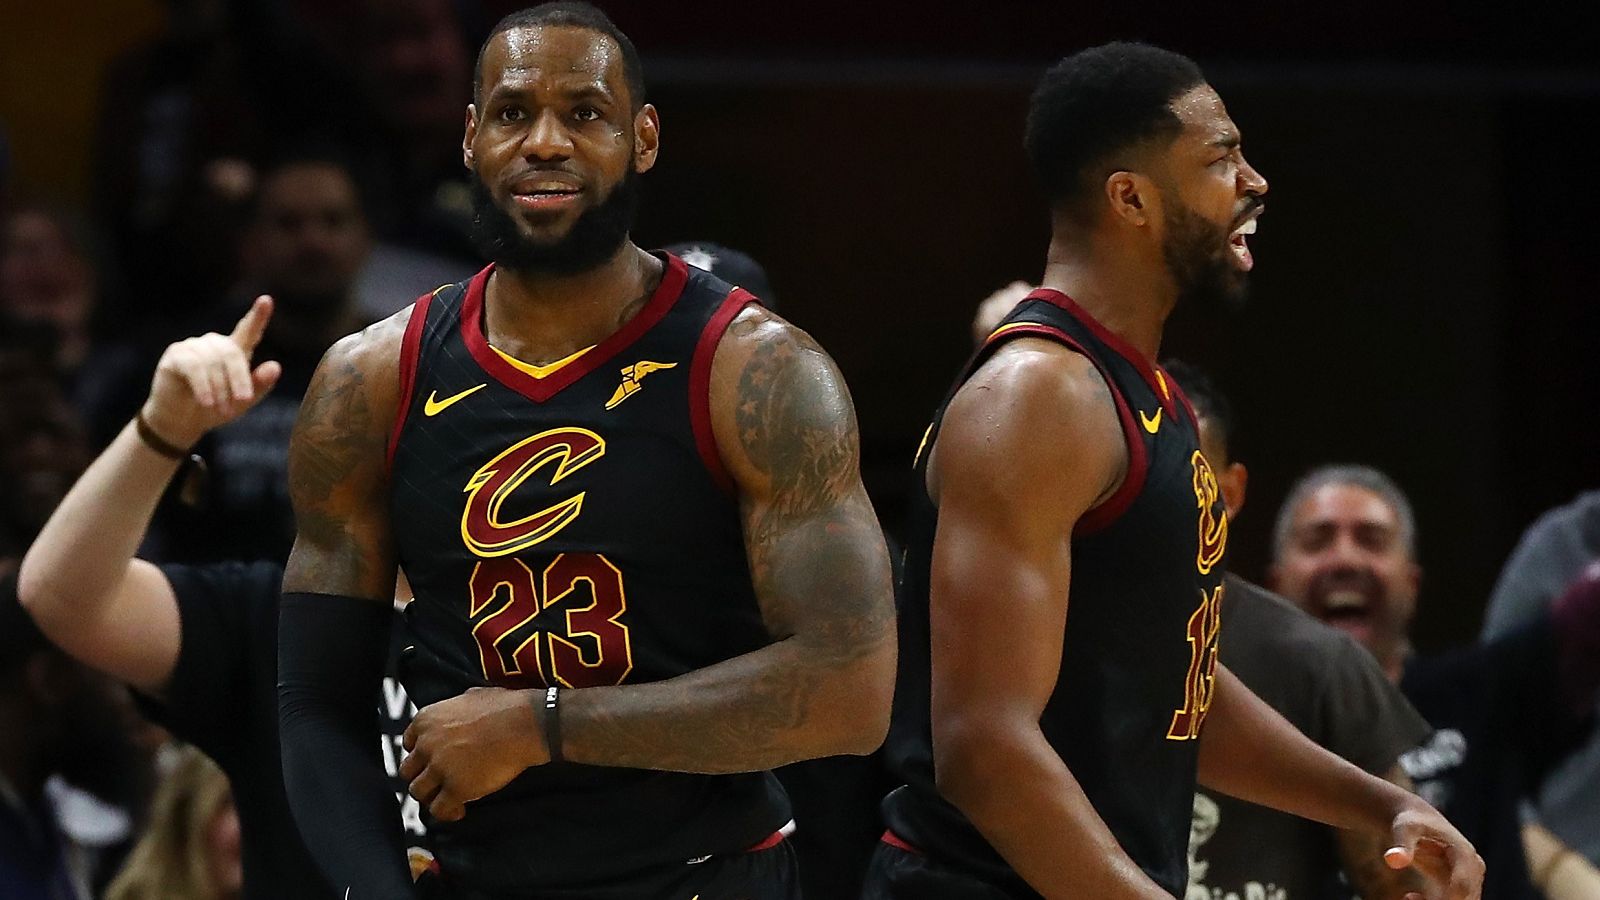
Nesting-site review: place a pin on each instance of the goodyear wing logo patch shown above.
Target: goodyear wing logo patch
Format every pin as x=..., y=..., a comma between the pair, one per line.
x=631, y=376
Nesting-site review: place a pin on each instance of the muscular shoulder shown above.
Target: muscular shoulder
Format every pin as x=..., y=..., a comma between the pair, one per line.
x=356, y=386
x=1044, y=410
x=778, y=401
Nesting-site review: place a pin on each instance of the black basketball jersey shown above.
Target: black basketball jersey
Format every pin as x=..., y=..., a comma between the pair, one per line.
x=1141, y=629
x=575, y=530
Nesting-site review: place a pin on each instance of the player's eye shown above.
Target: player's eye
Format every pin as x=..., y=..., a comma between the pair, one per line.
x=586, y=114
x=510, y=114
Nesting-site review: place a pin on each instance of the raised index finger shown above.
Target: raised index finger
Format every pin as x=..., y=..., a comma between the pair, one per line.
x=247, y=334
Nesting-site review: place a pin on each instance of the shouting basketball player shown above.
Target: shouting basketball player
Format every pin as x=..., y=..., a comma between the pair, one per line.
x=1059, y=689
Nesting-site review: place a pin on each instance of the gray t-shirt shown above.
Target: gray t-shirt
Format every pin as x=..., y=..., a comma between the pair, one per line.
x=1554, y=551
x=1330, y=688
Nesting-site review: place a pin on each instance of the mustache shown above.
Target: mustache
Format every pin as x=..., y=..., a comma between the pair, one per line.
x=1252, y=206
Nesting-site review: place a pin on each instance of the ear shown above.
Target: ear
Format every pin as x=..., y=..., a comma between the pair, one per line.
x=1232, y=483
x=470, y=132
x=646, y=138
x=1133, y=198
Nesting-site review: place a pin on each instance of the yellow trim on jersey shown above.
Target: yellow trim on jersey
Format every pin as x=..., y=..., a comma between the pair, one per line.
x=1162, y=380
x=539, y=371
x=1005, y=328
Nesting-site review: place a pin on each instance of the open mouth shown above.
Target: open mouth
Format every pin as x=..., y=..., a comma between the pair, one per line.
x=1240, y=247
x=545, y=193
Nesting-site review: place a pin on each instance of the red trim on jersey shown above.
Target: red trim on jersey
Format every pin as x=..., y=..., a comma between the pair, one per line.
x=410, y=346
x=772, y=840
x=1194, y=420
x=541, y=389
x=1106, y=511
x=1111, y=339
x=700, y=384
x=895, y=841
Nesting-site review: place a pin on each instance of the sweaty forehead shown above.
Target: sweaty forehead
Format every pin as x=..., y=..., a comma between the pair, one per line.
x=553, y=56
x=1204, y=117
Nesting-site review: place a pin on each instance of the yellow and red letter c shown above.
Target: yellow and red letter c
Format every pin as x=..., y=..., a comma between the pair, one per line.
x=482, y=529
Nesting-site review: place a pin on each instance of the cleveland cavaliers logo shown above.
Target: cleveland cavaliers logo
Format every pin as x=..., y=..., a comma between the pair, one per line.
x=1213, y=524
x=559, y=451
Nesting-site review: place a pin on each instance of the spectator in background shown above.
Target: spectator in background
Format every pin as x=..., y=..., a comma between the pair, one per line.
x=1553, y=551
x=50, y=283
x=180, y=118
x=1344, y=549
x=306, y=243
x=410, y=73
x=43, y=452
x=64, y=731
x=1327, y=686
x=190, y=847
x=732, y=266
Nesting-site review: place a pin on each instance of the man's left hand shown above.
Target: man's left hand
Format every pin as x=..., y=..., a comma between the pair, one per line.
x=1424, y=839
x=467, y=747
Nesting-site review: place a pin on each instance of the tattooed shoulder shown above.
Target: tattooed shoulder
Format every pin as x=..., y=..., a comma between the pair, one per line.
x=336, y=453
x=785, y=406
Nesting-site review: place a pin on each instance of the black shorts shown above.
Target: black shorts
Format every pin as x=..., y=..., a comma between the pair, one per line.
x=769, y=874
x=899, y=874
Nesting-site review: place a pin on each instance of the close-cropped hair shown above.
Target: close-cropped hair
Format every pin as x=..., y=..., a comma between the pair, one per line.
x=1096, y=104
x=570, y=14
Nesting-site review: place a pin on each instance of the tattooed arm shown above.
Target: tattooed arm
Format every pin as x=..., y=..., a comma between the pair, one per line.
x=333, y=630
x=337, y=477
x=787, y=434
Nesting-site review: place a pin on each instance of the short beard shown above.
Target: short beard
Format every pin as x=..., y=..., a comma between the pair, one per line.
x=594, y=238
x=1197, y=256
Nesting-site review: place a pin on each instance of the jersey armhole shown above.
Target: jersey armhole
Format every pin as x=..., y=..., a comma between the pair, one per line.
x=1107, y=511
x=705, y=438
x=409, y=350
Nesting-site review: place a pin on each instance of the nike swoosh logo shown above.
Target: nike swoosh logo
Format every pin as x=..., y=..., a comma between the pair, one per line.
x=1150, y=423
x=434, y=406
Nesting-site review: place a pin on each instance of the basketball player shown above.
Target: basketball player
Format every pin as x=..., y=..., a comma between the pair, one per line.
x=198, y=644
x=1064, y=568
x=628, y=501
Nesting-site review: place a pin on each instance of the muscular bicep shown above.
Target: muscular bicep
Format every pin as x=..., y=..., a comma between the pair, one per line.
x=786, y=431
x=1027, y=446
x=337, y=469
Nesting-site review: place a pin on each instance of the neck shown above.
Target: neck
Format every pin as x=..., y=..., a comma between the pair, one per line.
x=1130, y=297
x=538, y=317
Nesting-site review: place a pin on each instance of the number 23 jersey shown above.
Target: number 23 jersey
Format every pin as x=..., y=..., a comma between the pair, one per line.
x=575, y=527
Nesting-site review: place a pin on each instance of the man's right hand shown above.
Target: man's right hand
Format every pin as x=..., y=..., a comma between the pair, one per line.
x=205, y=382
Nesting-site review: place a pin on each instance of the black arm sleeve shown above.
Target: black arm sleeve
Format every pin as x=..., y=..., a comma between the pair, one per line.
x=331, y=652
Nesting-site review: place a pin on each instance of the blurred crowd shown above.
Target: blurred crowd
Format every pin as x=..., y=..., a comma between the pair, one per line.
x=310, y=151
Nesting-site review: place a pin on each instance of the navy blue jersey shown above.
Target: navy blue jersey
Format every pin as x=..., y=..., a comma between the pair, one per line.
x=1142, y=622
x=578, y=530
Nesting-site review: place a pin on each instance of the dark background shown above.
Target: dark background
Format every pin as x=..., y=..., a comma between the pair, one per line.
x=1424, y=297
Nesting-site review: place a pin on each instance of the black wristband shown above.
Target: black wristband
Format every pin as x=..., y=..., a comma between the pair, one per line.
x=155, y=441
x=552, y=722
